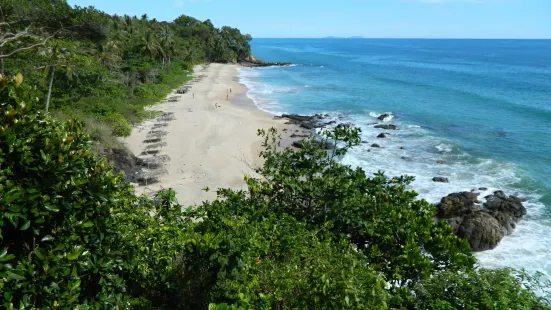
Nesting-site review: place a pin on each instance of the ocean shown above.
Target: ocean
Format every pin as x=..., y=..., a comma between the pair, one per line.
x=482, y=106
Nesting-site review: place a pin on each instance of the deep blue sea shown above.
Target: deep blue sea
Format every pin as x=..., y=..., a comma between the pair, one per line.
x=483, y=106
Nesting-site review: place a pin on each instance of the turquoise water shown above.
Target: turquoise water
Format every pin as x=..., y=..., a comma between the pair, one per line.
x=483, y=106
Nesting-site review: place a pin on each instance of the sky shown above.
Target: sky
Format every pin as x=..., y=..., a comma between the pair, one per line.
x=368, y=18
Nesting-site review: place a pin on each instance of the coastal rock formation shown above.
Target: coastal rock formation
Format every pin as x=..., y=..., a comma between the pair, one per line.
x=381, y=135
x=440, y=179
x=305, y=121
x=387, y=126
x=375, y=145
x=325, y=145
x=382, y=117
x=252, y=62
x=457, y=204
x=483, y=227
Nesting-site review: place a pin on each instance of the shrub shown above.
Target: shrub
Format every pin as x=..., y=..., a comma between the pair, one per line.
x=60, y=240
x=119, y=124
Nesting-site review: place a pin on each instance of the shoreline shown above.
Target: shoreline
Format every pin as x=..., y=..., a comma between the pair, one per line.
x=201, y=140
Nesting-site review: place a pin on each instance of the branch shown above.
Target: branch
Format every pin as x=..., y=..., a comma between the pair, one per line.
x=14, y=37
x=28, y=47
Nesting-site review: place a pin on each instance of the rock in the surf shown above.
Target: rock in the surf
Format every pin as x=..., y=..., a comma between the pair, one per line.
x=382, y=117
x=325, y=145
x=441, y=162
x=511, y=205
x=386, y=126
x=381, y=135
x=457, y=204
x=375, y=145
x=483, y=227
x=482, y=231
x=440, y=179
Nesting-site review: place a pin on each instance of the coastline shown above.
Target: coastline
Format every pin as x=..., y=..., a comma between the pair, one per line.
x=201, y=140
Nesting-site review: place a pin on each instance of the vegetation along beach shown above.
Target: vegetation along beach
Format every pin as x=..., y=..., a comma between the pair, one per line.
x=153, y=160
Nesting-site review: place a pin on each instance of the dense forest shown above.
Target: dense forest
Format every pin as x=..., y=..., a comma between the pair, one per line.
x=308, y=233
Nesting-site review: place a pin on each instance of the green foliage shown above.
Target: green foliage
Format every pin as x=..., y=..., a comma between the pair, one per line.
x=267, y=261
x=382, y=219
x=120, y=126
x=59, y=205
x=481, y=289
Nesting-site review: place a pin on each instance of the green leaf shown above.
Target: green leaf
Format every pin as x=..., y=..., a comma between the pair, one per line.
x=39, y=253
x=75, y=254
x=26, y=225
x=88, y=224
x=3, y=252
x=14, y=276
x=47, y=238
x=7, y=258
x=51, y=208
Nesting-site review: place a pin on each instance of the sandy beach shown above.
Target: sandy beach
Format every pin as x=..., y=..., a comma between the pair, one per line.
x=206, y=140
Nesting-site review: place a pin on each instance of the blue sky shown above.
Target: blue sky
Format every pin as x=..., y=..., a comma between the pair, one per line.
x=368, y=18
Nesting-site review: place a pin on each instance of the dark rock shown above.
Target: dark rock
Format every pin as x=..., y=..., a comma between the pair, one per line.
x=511, y=205
x=304, y=121
x=457, y=204
x=483, y=188
x=482, y=231
x=325, y=146
x=508, y=224
x=482, y=227
x=402, y=148
x=298, y=136
x=387, y=126
x=252, y=62
x=441, y=179
x=382, y=117
x=375, y=145
x=381, y=135
x=441, y=162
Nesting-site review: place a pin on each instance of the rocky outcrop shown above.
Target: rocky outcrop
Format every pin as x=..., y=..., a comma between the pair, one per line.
x=481, y=229
x=381, y=135
x=382, y=117
x=252, y=62
x=325, y=145
x=310, y=121
x=387, y=126
x=305, y=121
x=375, y=145
x=485, y=226
x=440, y=179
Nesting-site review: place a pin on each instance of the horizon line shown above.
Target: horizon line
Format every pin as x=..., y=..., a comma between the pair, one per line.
x=399, y=38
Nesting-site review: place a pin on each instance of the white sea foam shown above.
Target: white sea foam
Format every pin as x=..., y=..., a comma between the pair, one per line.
x=444, y=147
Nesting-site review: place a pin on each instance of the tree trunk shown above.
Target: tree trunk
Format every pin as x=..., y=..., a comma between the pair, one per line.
x=50, y=83
x=1, y=62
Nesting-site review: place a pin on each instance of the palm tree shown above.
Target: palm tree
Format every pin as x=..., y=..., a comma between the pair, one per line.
x=57, y=56
x=167, y=43
x=149, y=46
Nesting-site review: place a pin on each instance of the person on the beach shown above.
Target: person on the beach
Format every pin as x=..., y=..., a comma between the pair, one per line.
x=227, y=97
x=193, y=95
x=230, y=89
